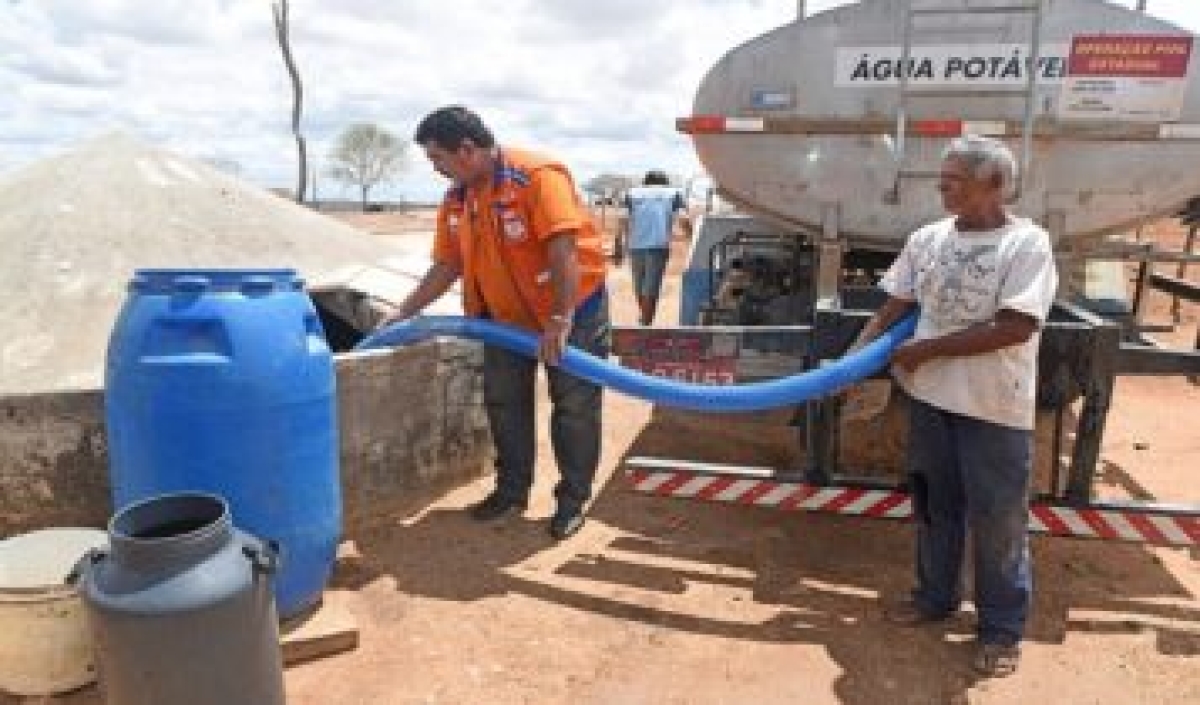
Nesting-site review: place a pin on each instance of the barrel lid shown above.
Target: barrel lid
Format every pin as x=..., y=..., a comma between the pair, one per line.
x=43, y=559
x=198, y=281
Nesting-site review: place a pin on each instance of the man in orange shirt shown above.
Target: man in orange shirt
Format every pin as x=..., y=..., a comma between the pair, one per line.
x=514, y=230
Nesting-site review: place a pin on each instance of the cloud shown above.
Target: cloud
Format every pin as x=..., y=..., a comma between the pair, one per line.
x=585, y=20
x=66, y=66
x=162, y=22
x=581, y=79
x=50, y=99
x=597, y=83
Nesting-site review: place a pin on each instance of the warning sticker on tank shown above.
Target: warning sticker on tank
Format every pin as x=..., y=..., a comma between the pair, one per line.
x=1126, y=77
x=973, y=65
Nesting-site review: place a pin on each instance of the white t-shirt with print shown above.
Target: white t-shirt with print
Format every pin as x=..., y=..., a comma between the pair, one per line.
x=960, y=279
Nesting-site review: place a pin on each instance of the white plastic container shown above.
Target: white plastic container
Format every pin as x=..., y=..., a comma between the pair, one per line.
x=45, y=647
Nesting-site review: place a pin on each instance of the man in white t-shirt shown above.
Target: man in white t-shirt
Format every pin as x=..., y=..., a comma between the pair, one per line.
x=984, y=281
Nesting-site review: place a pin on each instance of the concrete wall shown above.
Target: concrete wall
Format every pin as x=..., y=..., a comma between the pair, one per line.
x=53, y=461
x=412, y=427
x=411, y=424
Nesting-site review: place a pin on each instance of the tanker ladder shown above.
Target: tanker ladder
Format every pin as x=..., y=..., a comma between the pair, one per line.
x=962, y=14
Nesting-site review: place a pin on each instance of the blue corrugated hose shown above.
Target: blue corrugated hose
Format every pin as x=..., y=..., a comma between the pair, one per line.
x=786, y=391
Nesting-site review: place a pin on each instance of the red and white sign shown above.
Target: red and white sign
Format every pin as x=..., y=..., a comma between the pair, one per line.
x=1126, y=77
x=716, y=371
x=696, y=358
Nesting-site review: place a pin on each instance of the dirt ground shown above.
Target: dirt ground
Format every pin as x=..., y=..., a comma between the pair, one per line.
x=669, y=602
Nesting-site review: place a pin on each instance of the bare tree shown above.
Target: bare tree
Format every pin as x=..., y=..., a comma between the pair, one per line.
x=607, y=187
x=366, y=155
x=280, y=12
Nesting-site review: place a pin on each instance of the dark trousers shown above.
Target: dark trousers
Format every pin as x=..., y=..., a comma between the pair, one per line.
x=508, y=392
x=972, y=474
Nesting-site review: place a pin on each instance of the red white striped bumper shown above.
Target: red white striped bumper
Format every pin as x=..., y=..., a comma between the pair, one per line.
x=1141, y=522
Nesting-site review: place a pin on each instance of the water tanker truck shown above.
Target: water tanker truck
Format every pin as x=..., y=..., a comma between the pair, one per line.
x=827, y=134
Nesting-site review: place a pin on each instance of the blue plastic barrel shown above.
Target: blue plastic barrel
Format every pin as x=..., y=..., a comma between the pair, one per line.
x=221, y=381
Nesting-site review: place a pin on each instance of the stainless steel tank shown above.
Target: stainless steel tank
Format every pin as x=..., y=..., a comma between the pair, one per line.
x=804, y=118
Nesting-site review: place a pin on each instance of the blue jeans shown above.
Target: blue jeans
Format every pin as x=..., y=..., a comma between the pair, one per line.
x=968, y=473
x=508, y=394
x=648, y=266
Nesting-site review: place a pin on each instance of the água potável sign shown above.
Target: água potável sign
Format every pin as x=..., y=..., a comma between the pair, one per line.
x=949, y=65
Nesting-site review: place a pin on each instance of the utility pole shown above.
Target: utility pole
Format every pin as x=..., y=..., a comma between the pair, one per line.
x=312, y=178
x=279, y=10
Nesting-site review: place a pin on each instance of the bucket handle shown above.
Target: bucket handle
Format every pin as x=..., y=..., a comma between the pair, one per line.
x=264, y=556
x=89, y=559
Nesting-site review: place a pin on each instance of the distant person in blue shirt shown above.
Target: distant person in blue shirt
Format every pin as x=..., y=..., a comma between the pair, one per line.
x=652, y=207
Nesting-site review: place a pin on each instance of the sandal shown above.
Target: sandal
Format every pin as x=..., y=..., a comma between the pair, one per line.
x=996, y=660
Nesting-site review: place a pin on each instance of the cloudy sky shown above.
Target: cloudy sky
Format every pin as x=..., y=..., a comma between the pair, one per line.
x=598, y=82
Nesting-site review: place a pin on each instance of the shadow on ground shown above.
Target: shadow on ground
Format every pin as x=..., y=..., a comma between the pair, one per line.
x=823, y=578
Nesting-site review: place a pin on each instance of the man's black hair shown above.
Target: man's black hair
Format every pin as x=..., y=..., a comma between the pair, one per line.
x=656, y=177
x=447, y=128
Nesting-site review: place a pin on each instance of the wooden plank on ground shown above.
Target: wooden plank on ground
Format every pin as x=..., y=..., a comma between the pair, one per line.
x=331, y=629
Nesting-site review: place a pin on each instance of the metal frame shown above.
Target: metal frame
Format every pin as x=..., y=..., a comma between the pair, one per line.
x=719, y=257
x=1080, y=357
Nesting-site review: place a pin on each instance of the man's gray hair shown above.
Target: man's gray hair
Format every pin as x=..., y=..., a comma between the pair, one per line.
x=985, y=157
